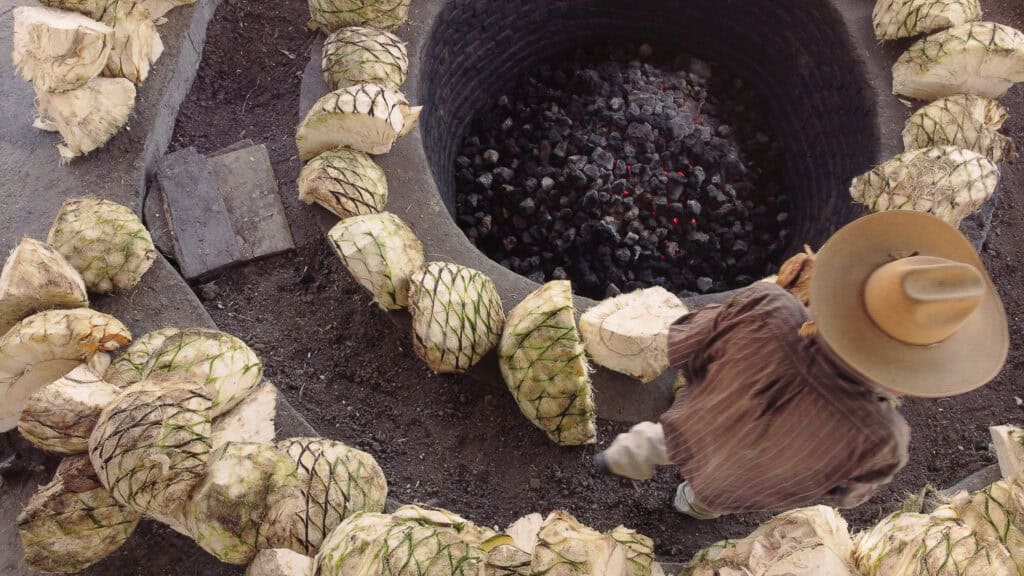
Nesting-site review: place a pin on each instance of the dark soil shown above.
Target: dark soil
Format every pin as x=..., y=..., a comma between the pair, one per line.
x=621, y=167
x=457, y=443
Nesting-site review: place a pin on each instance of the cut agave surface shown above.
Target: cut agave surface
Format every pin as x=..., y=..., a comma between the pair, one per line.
x=46, y=346
x=980, y=58
x=58, y=50
x=35, y=278
x=365, y=117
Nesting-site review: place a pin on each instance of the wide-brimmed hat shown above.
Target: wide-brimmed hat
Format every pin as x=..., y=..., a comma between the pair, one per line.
x=902, y=298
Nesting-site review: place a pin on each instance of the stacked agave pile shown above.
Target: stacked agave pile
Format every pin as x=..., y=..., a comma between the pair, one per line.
x=977, y=534
x=952, y=145
x=417, y=541
x=50, y=336
x=84, y=59
x=949, y=169
x=457, y=314
x=179, y=428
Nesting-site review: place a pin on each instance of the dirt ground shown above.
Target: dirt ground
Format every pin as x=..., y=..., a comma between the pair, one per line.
x=454, y=442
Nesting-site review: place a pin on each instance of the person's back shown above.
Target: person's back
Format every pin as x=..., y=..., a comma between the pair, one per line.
x=759, y=394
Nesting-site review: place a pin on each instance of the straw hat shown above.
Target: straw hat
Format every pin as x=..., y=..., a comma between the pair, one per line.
x=902, y=298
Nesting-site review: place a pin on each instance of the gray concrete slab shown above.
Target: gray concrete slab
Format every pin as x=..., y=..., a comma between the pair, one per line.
x=204, y=238
x=248, y=187
x=31, y=190
x=155, y=212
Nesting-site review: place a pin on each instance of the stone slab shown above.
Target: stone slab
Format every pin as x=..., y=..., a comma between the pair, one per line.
x=155, y=211
x=204, y=239
x=976, y=481
x=248, y=187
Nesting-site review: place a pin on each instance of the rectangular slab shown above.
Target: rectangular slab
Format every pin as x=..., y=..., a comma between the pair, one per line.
x=248, y=188
x=156, y=211
x=204, y=239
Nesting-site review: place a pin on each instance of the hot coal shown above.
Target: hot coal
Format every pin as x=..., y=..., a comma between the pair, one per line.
x=620, y=171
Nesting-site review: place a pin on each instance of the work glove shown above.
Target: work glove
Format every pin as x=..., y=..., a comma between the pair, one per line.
x=636, y=453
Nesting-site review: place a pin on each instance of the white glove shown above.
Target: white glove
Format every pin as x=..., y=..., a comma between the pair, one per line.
x=636, y=453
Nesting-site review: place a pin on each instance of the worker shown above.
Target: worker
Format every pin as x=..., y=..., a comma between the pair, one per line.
x=786, y=406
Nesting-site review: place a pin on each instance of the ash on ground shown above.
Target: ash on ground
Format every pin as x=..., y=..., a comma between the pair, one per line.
x=620, y=171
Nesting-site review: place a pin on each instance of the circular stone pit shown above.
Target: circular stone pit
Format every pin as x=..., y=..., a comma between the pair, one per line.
x=816, y=65
x=620, y=167
x=797, y=56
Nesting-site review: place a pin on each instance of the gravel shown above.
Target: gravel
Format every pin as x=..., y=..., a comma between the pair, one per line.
x=620, y=169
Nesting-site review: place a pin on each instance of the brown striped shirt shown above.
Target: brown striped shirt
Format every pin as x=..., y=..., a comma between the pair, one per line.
x=770, y=420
